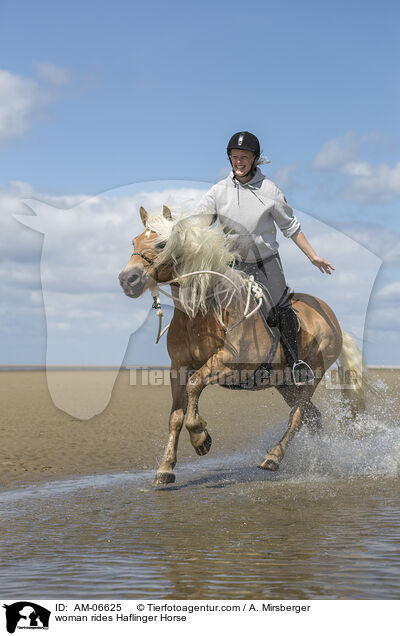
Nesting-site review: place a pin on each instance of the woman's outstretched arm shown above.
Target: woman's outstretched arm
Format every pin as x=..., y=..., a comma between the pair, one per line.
x=316, y=260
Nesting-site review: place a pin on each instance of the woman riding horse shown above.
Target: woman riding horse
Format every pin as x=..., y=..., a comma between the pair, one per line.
x=217, y=336
x=249, y=205
x=215, y=333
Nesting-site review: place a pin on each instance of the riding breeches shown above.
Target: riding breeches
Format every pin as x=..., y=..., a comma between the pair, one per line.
x=269, y=273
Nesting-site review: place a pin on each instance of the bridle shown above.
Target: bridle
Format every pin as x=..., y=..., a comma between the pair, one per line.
x=253, y=286
x=149, y=261
x=146, y=258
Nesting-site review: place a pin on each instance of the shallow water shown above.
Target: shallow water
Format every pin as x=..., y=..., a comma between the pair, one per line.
x=326, y=525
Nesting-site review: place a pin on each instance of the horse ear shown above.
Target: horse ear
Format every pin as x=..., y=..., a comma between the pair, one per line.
x=167, y=213
x=143, y=215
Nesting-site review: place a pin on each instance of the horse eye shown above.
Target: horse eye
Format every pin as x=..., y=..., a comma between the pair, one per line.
x=160, y=246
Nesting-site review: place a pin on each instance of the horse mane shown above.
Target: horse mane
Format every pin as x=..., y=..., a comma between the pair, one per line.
x=195, y=243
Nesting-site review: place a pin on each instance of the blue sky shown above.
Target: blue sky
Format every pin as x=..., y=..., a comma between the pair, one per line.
x=157, y=88
x=96, y=95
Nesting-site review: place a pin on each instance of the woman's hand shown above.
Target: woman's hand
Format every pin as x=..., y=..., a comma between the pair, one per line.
x=322, y=264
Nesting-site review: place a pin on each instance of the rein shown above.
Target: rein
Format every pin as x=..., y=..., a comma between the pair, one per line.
x=253, y=287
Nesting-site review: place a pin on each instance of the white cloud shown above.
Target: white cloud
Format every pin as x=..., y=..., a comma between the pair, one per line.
x=369, y=183
x=358, y=169
x=364, y=182
x=336, y=152
x=285, y=177
x=392, y=291
x=19, y=98
x=386, y=318
x=23, y=100
x=381, y=241
x=52, y=74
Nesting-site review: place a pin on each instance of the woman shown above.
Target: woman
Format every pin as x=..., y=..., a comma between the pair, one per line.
x=251, y=206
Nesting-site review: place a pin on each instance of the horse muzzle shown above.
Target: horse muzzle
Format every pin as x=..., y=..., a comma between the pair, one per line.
x=133, y=281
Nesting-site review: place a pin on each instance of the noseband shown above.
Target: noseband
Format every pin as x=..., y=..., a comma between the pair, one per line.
x=149, y=261
x=146, y=258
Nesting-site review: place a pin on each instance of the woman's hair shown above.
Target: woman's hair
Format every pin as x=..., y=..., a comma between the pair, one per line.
x=262, y=160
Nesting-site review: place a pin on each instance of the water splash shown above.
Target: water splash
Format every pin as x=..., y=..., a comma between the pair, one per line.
x=367, y=446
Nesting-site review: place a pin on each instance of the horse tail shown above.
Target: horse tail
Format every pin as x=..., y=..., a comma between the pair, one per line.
x=353, y=374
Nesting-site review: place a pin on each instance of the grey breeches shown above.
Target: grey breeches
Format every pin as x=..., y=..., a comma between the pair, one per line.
x=269, y=272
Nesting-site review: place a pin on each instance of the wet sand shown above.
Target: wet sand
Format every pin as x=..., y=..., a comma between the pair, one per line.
x=38, y=442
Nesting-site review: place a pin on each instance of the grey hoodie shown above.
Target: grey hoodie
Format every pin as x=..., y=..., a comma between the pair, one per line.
x=250, y=212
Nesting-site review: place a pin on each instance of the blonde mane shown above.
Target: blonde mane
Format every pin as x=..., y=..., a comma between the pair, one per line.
x=193, y=243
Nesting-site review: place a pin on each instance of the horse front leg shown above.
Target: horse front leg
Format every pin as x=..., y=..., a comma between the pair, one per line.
x=165, y=474
x=195, y=424
x=273, y=459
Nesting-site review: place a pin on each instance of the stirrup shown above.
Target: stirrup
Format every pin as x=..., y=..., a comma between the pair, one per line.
x=310, y=377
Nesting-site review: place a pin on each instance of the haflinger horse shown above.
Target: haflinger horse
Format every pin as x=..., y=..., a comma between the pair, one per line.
x=216, y=336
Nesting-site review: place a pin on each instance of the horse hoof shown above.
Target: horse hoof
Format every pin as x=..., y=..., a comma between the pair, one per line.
x=269, y=464
x=205, y=446
x=164, y=478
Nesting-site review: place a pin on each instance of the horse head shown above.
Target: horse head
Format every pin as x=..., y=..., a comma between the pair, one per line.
x=142, y=271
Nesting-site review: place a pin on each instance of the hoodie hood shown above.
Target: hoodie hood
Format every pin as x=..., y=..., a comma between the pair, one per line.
x=256, y=180
x=255, y=183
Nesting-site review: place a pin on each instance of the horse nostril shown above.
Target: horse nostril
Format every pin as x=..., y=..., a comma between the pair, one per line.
x=132, y=280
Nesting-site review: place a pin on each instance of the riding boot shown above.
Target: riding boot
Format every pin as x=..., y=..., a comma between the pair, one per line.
x=300, y=371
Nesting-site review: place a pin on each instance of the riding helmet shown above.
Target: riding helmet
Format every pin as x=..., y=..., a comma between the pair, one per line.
x=244, y=141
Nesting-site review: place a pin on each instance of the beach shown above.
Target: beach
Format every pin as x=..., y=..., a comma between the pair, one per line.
x=40, y=443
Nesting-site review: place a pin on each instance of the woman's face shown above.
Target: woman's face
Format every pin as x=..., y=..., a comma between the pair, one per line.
x=242, y=160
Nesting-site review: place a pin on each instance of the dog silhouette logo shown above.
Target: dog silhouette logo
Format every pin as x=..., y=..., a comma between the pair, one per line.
x=26, y=615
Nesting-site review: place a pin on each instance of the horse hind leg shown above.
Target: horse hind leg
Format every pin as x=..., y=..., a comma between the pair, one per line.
x=274, y=457
x=312, y=415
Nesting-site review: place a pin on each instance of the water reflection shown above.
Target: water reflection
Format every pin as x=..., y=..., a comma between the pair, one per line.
x=220, y=534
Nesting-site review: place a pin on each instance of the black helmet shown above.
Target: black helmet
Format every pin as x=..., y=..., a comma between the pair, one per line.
x=244, y=141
